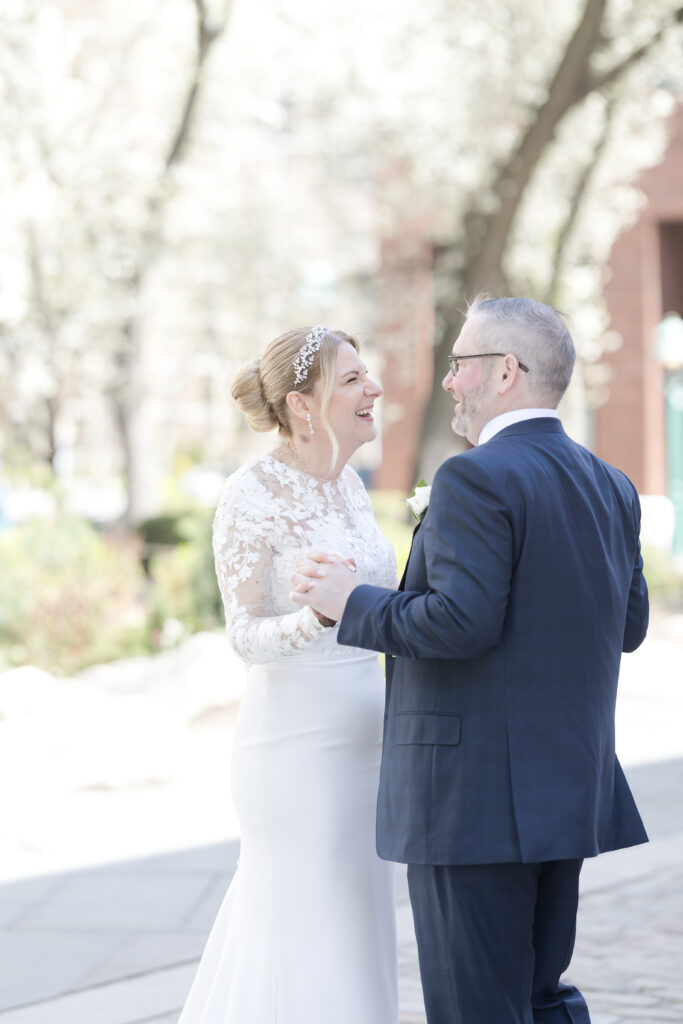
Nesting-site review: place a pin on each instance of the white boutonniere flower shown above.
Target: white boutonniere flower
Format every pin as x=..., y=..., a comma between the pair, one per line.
x=419, y=500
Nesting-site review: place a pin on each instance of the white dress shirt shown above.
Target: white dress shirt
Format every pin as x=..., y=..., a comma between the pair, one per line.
x=506, y=419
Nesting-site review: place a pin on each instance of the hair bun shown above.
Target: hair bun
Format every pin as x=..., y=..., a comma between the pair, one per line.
x=247, y=390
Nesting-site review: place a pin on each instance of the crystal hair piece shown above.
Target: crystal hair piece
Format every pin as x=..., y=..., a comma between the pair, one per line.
x=304, y=360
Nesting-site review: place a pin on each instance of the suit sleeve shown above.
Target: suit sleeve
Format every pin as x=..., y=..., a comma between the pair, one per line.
x=638, y=607
x=468, y=547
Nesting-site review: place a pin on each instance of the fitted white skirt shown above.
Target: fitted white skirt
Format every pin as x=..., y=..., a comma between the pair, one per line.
x=306, y=933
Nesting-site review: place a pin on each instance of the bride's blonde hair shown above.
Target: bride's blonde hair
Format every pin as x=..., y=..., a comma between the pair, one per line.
x=260, y=388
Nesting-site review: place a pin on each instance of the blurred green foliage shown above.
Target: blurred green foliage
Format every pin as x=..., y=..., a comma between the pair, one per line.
x=68, y=596
x=664, y=580
x=72, y=597
x=395, y=522
x=172, y=528
x=178, y=554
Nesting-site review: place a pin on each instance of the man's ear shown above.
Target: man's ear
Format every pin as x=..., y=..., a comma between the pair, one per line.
x=508, y=374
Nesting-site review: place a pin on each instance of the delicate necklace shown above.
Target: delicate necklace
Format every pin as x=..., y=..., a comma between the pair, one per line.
x=292, y=457
x=294, y=461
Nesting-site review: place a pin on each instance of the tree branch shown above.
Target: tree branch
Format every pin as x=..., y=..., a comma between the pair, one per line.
x=487, y=234
x=47, y=320
x=493, y=229
x=576, y=202
x=123, y=395
x=40, y=301
x=598, y=82
x=207, y=33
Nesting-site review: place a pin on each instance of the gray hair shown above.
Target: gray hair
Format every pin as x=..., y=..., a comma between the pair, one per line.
x=537, y=335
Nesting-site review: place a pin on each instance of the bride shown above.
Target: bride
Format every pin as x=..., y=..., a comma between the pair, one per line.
x=306, y=933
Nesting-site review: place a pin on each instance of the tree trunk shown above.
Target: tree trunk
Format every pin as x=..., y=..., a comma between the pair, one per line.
x=487, y=234
x=131, y=397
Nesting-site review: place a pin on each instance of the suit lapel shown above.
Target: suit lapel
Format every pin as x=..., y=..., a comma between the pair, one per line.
x=390, y=661
x=402, y=584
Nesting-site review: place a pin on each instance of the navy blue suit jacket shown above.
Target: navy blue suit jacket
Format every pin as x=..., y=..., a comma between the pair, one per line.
x=523, y=586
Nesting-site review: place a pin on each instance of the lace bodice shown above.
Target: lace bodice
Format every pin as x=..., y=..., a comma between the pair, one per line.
x=269, y=514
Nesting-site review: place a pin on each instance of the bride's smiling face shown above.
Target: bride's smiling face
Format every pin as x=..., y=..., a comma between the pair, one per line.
x=350, y=411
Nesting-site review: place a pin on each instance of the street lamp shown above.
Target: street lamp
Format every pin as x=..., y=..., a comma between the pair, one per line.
x=669, y=353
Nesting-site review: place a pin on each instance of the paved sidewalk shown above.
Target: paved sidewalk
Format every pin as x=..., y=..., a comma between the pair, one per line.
x=117, y=943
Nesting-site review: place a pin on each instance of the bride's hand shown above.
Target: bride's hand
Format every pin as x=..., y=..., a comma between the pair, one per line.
x=311, y=564
x=324, y=581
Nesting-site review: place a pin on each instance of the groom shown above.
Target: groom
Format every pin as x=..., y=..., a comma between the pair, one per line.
x=523, y=587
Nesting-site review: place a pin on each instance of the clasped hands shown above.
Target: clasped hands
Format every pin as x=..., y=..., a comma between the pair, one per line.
x=324, y=581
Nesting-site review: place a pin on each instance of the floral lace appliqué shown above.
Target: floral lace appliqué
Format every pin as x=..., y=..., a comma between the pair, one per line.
x=269, y=514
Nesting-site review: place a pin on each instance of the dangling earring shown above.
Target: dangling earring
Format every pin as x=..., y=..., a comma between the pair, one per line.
x=310, y=425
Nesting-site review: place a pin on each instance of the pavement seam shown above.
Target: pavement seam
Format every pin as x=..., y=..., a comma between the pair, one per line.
x=201, y=898
x=27, y=909
x=101, y=985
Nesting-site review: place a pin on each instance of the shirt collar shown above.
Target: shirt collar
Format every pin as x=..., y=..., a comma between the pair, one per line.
x=506, y=419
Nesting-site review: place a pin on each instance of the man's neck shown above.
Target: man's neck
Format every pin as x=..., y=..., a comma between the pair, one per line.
x=506, y=419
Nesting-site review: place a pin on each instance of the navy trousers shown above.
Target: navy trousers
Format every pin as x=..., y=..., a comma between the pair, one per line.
x=493, y=940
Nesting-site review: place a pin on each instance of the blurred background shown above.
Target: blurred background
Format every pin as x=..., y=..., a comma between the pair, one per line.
x=181, y=181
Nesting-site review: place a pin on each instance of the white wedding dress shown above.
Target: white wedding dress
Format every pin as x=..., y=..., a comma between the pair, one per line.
x=306, y=933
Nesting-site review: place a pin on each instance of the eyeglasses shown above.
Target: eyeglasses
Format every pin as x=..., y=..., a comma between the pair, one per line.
x=454, y=360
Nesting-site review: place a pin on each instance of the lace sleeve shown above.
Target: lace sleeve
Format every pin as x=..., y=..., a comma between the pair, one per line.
x=244, y=533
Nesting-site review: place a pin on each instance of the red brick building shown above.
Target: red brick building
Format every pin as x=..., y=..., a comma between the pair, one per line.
x=645, y=281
